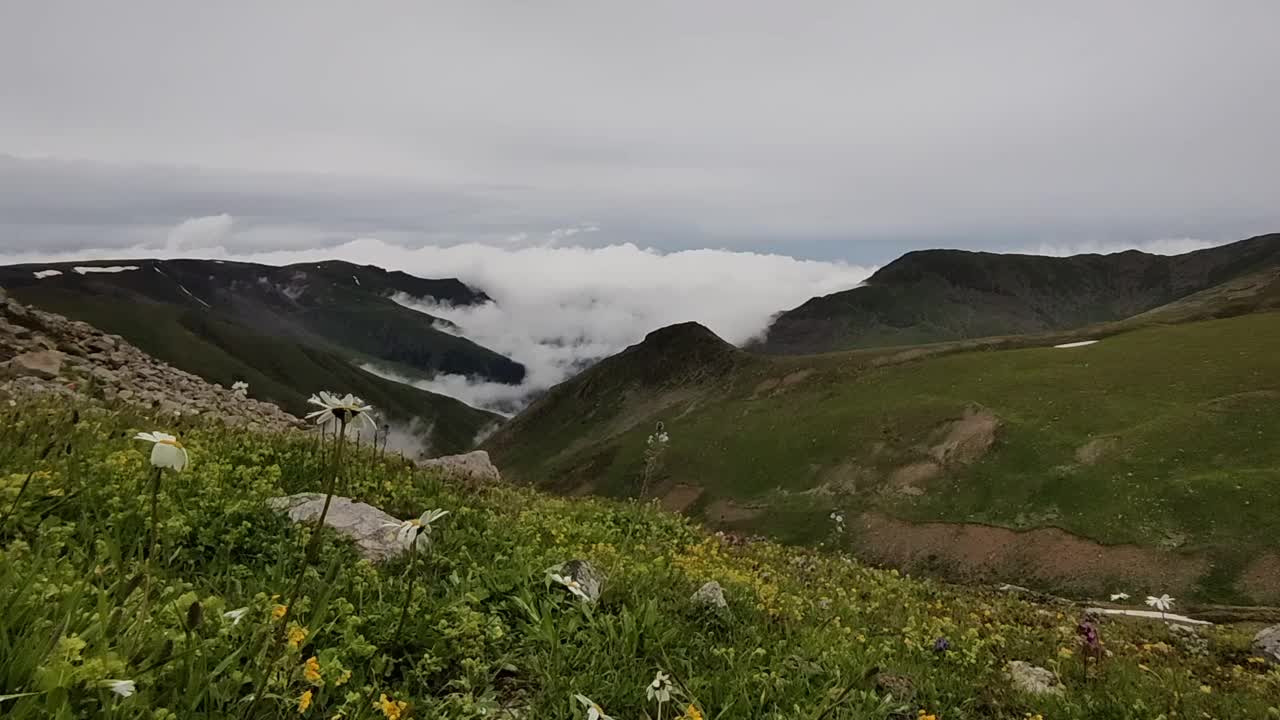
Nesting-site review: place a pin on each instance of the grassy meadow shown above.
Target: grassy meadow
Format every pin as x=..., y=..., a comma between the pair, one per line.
x=474, y=628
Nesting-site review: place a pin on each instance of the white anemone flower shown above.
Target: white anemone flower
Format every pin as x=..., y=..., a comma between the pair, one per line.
x=660, y=688
x=1115, y=597
x=594, y=712
x=235, y=615
x=573, y=585
x=1162, y=603
x=408, y=531
x=347, y=408
x=123, y=688
x=167, y=452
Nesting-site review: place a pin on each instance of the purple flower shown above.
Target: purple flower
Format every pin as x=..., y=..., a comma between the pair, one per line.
x=941, y=645
x=1090, y=638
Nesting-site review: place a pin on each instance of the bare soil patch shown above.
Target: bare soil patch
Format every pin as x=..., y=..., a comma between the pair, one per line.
x=1261, y=579
x=966, y=440
x=912, y=479
x=1096, y=449
x=680, y=497
x=982, y=553
x=727, y=511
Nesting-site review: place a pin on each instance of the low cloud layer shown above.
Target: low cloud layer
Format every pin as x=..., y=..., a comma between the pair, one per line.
x=560, y=307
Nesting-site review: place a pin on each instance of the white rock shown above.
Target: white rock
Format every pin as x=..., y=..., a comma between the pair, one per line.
x=474, y=465
x=1031, y=679
x=1266, y=644
x=363, y=523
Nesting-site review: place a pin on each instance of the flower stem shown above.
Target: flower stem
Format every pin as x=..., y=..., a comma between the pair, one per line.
x=413, y=576
x=151, y=541
x=308, y=554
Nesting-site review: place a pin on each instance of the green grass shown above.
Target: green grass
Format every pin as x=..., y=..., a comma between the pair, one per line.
x=804, y=635
x=1194, y=411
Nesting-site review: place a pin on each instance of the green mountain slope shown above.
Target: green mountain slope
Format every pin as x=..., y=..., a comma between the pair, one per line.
x=938, y=295
x=288, y=336
x=1162, y=437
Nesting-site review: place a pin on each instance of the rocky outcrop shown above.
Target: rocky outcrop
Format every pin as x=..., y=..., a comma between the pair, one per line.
x=1031, y=679
x=1266, y=644
x=42, y=352
x=372, y=529
x=710, y=596
x=474, y=466
x=588, y=579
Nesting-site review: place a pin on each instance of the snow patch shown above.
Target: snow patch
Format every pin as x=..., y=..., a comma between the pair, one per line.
x=1082, y=343
x=1151, y=614
x=86, y=269
x=42, y=274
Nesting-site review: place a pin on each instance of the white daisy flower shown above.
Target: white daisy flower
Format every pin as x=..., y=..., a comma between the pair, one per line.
x=594, y=712
x=408, y=531
x=123, y=688
x=167, y=452
x=573, y=585
x=1162, y=603
x=347, y=408
x=660, y=688
x=1116, y=597
x=235, y=615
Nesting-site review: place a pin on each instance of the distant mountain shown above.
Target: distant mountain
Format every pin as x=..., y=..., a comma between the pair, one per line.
x=1144, y=455
x=939, y=295
x=288, y=331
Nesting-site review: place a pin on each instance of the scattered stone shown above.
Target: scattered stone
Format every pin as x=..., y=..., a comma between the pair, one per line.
x=710, y=595
x=900, y=687
x=590, y=580
x=1031, y=679
x=363, y=523
x=474, y=465
x=1266, y=644
x=1190, y=639
x=45, y=364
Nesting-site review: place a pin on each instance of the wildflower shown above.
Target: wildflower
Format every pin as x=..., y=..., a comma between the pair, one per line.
x=660, y=688
x=296, y=635
x=941, y=645
x=123, y=688
x=691, y=713
x=1090, y=639
x=278, y=611
x=167, y=452
x=240, y=387
x=235, y=615
x=1206, y=689
x=574, y=587
x=1162, y=603
x=593, y=710
x=408, y=531
x=391, y=709
x=304, y=702
x=344, y=409
x=1065, y=652
x=342, y=679
x=1116, y=597
x=922, y=715
x=311, y=671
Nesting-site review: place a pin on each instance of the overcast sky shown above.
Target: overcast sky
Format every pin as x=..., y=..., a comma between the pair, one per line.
x=845, y=130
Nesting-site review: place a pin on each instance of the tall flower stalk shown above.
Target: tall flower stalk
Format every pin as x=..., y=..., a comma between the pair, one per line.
x=166, y=453
x=337, y=412
x=410, y=533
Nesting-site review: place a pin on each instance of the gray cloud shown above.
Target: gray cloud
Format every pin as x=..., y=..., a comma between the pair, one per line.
x=824, y=129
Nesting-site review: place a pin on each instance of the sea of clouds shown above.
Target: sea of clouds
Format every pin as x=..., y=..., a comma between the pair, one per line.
x=558, y=307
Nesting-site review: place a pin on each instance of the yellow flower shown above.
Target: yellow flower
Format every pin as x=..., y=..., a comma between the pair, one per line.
x=691, y=713
x=278, y=611
x=1206, y=689
x=1065, y=653
x=390, y=708
x=296, y=635
x=311, y=671
x=304, y=702
x=343, y=678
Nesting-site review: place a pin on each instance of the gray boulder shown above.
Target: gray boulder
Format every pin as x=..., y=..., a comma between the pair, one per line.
x=363, y=523
x=1031, y=679
x=474, y=465
x=1266, y=644
x=710, y=595
x=45, y=364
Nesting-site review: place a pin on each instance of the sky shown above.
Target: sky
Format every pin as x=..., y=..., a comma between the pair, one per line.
x=800, y=144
